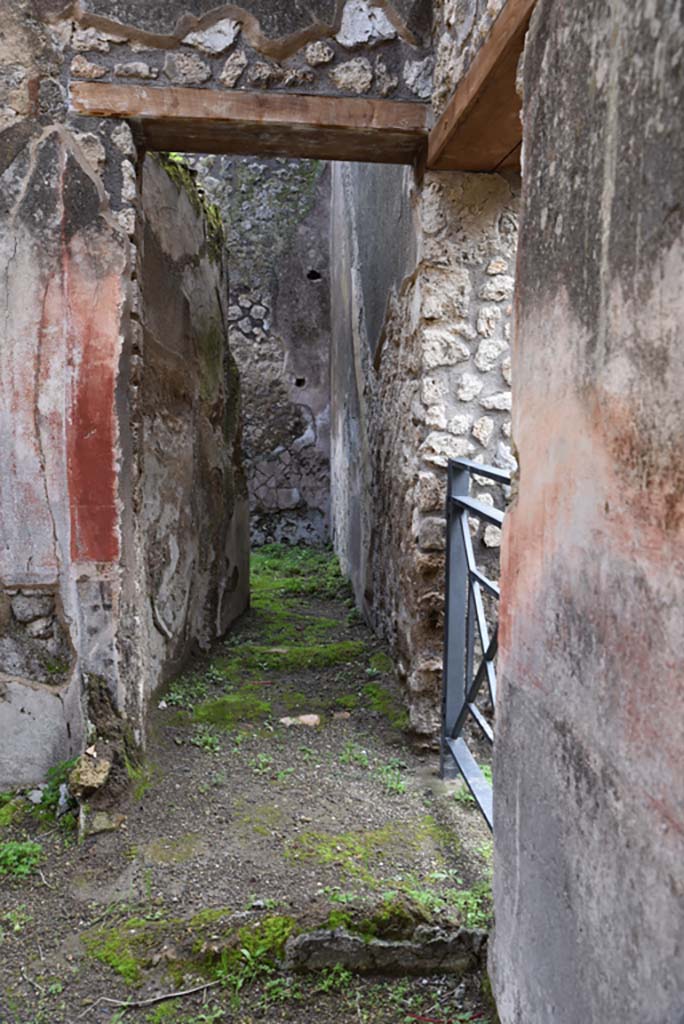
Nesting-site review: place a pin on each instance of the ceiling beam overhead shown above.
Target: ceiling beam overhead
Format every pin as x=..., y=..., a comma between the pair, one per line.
x=261, y=124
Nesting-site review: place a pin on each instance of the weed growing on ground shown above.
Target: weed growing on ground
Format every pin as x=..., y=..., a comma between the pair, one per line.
x=392, y=779
x=187, y=691
x=140, y=775
x=354, y=754
x=262, y=764
x=20, y=859
x=206, y=739
x=336, y=895
x=334, y=979
x=16, y=920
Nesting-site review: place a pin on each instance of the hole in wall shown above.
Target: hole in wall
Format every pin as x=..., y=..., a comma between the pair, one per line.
x=300, y=382
x=313, y=275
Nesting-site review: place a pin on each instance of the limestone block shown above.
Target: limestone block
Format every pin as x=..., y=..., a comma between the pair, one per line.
x=497, y=266
x=501, y=400
x=135, y=69
x=363, y=24
x=435, y=416
x=439, y=447
x=497, y=288
x=88, y=774
x=216, y=39
x=27, y=608
x=469, y=388
x=122, y=137
x=41, y=629
x=488, y=353
x=460, y=424
x=430, y=492
x=445, y=294
x=432, y=211
x=417, y=75
x=85, y=39
x=492, y=537
x=488, y=318
x=81, y=67
x=426, y=677
x=318, y=53
x=232, y=69
x=186, y=69
x=506, y=370
x=385, y=81
x=483, y=430
x=441, y=347
x=432, y=534
x=353, y=76
x=129, y=186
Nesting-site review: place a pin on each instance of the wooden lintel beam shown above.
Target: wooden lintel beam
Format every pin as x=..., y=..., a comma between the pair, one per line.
x=480, y=128
x=250, y=123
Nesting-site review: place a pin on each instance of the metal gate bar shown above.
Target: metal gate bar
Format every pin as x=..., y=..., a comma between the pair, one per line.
x=464, y=615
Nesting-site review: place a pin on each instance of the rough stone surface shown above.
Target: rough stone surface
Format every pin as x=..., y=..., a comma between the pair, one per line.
x=186, y=69
x=459, y=28
x=189, y=430
x=277, y=218
x=409, y=379
x=355, y=76
x=589, y=793
x=232, y=70
x=364, y=23
x=216, y=39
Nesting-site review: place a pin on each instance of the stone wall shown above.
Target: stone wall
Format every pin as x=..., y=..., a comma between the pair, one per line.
x=589, y=787
x=352, y=48
x=459, y=28
x=277, y=216
x=421, y=301
x=74, y=641
x=192, y=526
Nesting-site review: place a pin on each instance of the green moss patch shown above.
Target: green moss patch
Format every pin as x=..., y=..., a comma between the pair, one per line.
x=384, y=703
x=173, y=851
x=127, y=947
x=226, y=712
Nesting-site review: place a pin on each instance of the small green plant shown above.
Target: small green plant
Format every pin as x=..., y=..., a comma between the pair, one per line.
x=473, y=905
x=206, y=739
x=256, y=903
x=187, y=691
x=283, y=774
x=17, y=920
x=46, y=810
x=336, y=895
x=464, y=797
x=20, y=859
x=262, y=764
x=334, y=979
x=354, y=754
x=392, y=779
x=280, y=990
x=140, y=775
x=307, y=754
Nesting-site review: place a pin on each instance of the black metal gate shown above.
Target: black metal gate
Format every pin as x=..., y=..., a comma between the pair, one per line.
x=464, y=624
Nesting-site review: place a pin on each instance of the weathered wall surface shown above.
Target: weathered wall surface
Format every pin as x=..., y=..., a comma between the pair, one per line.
x=352, y=48
x=192, y=526
x=276, y=214
x=421, y=302
x=459, y=29
x=74, y=654
x=589, y=794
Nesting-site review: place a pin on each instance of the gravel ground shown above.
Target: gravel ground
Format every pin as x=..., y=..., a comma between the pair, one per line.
x=236, y=820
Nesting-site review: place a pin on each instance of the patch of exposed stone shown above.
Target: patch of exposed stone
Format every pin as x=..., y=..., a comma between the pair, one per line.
x=34, y=642
x=363, y=49
x=459, y=29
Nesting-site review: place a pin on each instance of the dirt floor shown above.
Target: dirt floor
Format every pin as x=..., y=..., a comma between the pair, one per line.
x=242, y=831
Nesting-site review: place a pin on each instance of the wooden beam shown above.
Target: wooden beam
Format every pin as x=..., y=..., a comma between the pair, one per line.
x=480, y=129
x=250, y=123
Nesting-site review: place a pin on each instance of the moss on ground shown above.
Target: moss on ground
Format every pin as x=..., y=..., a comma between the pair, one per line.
x=227, y=711
x=384, y=703
x=173, y=851
x=127, y=947
x=381, y=662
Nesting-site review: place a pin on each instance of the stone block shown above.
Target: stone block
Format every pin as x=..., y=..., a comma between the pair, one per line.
x=186, y=69
x=355, y=76
x=216, y=39
x=432, y=534
x=232, y=69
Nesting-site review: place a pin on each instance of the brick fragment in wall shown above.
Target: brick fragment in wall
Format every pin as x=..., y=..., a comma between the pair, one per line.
x=232, y=69
x=354, y=76
x=492, y=537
